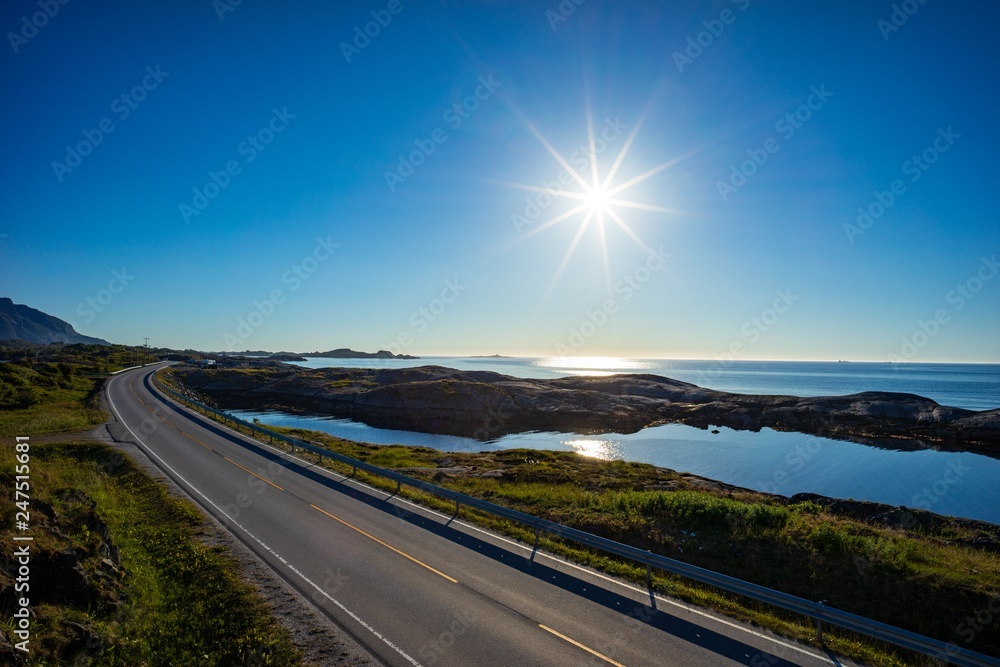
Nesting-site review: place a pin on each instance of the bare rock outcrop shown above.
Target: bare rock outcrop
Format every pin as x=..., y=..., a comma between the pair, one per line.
x=483, y=404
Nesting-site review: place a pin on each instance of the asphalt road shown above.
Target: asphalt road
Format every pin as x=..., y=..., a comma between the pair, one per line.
x=411, y=587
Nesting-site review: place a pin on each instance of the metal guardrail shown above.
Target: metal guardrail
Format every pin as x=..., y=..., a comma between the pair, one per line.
x=128, y=368
x=818, y=611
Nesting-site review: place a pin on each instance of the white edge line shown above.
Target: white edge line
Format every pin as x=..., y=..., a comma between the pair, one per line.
x=271, y=551
x=522, y=547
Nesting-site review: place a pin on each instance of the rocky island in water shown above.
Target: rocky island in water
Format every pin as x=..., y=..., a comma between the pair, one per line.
x=486, y=405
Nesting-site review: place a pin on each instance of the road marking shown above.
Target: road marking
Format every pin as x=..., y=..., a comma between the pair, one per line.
x=191, y=437
x=177, y=428
x=387, y=546
x=271, y=551
x=253, y=473
x=641, y=593
x=148, y=407
x=579, y=645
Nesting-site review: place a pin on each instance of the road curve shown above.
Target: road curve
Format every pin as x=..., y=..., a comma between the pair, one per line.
x=412, y=587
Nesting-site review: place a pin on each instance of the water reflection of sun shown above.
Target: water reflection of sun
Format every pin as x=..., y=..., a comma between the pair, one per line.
x=607, y=450
x=599, y=366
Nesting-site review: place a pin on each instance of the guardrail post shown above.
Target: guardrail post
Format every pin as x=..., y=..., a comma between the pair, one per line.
x=458, y=508
x=398, y=486
x=819, y=626
x=534, y=549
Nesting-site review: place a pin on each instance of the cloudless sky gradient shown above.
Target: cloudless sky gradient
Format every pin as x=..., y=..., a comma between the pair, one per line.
x=455, y=235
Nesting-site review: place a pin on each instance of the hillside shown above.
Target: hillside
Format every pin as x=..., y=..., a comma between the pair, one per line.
x=20, y=322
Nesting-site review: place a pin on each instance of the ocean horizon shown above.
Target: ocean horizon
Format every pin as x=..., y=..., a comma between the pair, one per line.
x=972, y=386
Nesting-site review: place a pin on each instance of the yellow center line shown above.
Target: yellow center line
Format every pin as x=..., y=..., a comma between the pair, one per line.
x=191, y=437
x=387, y=546
x=187, y=435
x=149, y=407
x=253, y=473
x=177, y=428
x=579, y=645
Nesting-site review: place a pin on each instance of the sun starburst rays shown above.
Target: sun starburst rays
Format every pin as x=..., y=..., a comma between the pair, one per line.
x=598, y=198
x=569, y=255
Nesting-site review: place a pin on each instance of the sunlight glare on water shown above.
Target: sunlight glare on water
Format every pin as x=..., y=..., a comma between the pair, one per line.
x=600, y=366
x=607, y=450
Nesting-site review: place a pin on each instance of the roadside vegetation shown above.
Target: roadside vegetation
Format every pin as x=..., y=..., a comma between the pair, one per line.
x=54, y=388
x=121, y=576
x=120, y=571
x=915, y=570
x=46, y=398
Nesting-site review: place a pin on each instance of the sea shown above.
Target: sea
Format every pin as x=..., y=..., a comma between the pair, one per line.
x=957, y=484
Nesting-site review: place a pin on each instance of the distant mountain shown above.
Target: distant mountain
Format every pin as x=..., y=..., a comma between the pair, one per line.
x=23, y=323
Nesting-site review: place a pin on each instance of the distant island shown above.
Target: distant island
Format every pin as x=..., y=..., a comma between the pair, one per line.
x=339, y=353
x=286, y=356
x=490, y=356
x=345, y=353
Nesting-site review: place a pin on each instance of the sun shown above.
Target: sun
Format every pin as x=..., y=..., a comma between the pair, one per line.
x=598, y=198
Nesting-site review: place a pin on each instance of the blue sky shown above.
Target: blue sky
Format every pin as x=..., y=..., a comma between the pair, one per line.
x=381, y=216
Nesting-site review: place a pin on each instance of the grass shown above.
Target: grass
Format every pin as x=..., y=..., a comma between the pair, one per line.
x=172, y=599
x=178, y=601
x=43, y=398
x=925, y=579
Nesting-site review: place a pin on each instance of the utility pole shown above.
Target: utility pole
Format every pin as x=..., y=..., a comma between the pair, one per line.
x=146, y=352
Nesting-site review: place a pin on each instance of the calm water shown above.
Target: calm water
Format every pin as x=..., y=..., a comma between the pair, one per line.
x=957, y=484
x=972, y=386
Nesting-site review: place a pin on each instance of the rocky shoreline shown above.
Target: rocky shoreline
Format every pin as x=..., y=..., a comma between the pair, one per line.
x=486, y=405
